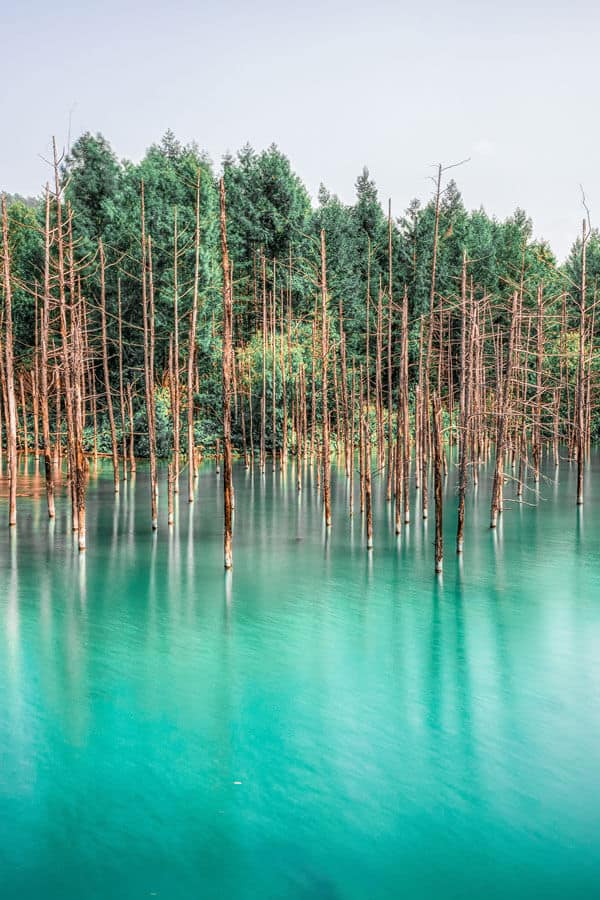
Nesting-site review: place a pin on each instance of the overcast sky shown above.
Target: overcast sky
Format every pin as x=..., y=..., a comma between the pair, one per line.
x=336, y=85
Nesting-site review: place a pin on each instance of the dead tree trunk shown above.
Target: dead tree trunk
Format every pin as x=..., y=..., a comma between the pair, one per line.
x=80, y=462
x=465, y=413
x=580, y=431
x=192, y=352
x=44, y=328
x=324, y=401
x=132, y=462
x=390, y=430
x=64, y=336
x=121, y=383
x=367, y=477
x=498, y=483
x=176, y=399
x=108, y=392
x=148, y=316
x=24, y=414
x=9, y=375
x=284, y=425
x=405, y=411
x=227, y=380
x=438, y=474
x=537, y=407
x=272, y=334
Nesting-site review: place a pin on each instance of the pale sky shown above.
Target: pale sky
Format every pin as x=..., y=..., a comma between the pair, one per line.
x=337, y=85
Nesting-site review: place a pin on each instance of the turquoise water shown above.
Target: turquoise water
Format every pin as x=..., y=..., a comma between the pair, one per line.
x=321, y=724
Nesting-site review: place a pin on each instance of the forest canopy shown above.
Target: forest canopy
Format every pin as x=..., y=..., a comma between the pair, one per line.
x=273, y=233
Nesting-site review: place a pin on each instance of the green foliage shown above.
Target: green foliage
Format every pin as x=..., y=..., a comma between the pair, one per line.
x=91, y=179
x=27, y=261
x=270, y=223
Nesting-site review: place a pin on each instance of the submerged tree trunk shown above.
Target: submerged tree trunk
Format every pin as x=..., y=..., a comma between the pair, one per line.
x=121, y=383
x=324, y=399
x=502, y=425
x=465, y=414
x=109, y=402
x=227, y=380
x=67, y=375
x=537, y=406
x=11, y=423
x=132, y=462
x=176, y=400
x=367, y=477
x=580, y=430
x=192, y=352
x=80, y=462
x=148, y=316
x=263, y=396
x=44, y=387
x=438, y=451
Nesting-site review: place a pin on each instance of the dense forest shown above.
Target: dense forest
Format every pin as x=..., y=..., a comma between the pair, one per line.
x=162, y=310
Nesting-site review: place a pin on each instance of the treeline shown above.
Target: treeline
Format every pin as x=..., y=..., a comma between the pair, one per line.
x=351, y=326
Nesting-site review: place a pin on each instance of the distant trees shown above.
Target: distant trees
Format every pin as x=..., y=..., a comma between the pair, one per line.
x=383, y=310
x=91, y=174
x=156, y=309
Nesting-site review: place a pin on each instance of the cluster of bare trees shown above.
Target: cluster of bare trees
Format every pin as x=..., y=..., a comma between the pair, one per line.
x=60, y=365
x=470, y=380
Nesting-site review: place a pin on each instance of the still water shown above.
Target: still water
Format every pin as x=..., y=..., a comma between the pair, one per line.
x=320, y=724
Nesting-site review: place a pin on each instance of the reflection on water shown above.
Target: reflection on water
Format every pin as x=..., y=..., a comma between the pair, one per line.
x=319, y=722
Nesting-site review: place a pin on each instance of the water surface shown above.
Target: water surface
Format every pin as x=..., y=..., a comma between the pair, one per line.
x=322, y=724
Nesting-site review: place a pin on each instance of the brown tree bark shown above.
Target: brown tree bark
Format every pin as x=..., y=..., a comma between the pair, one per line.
x=324, y=386
x=580, y=430
x=438, y=449
x=466, y=376
x=148, y=317
x=9, y=376
x=44, y=387
x=502, y=418
x=192, y=351
x=227, y=380
x=122, y=399
x=108, y=392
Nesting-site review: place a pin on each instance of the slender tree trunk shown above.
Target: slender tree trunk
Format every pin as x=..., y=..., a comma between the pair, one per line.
x=313, y=392
x=192, y=352
x=64, y=336
x=263, y=398
x=176, y=403
x=44, y=387
x=438, y=480
x=497, y=486
x=11, y=423
x=580, y=431
x=170, y=494
x=107, y=388
x=227, y=379
x=148, y=316
x=379, y=379
x=390, y=452
x=121, y=383
x=24, y=409
x=405, y=410
x=272, y=333
x=465, y=413
x=325, y=404
x=80, y=462
x=282, y=366
x=539, y=357
x=58, y=417
x=368, y=490
x=132, y=462
x=351, y=441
